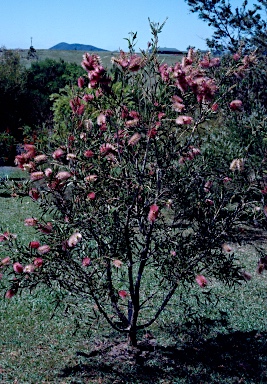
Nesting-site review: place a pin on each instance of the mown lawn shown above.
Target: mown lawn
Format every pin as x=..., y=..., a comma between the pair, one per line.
x=193, y=342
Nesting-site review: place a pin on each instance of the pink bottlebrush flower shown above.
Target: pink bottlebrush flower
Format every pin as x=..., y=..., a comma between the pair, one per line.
x=6, y=236
x=236, y=56
x=101, y=119
x=48, y=172
x=10, y=293
x=215, y=107
x=63, y=175
x=20, y=161
x=177, y=103
x=153, y=213
x=88, y=97
x=237, y=165
x=236, y=105
x=30, y=222
x=182, y=120
x=201, y=280
x=208, y=186
x=38, y=262
x=29, y=148
x=37, y=175
x=80, y=82
x=34, y=244
x=247, y=276
x=124, y=112
x=18, y=268
x=30, y=167
x=43, y=249
x=226, y=248
x=134, y=139
x=215, y=62
x=91, y=178
x=34, y=194
x=132, y=62
x=45, y=228
x=117, y=263
x=151, y=133
x=76, y=106
x=74, y=239
x=58, y=153
x=123, y=294
x=88, y=153
x=209, y=202
x=86, y=261
x=90, y=62
x=91, y=196
x=161, y=115
x=227, y=179
x=205, y=63
x=173, y=253
x=5, y=261
x=3, y=237
x=195, y=151
x=29, y=268
x=71, y=156
x=107, y=148
x=40, y=158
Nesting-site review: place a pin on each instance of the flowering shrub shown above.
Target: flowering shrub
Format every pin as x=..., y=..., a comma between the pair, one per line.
x=129, y=194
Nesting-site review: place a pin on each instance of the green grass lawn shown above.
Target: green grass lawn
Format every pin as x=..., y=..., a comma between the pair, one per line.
x=192, y=342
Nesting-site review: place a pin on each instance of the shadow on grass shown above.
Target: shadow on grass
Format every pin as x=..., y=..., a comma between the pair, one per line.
x=237, y=357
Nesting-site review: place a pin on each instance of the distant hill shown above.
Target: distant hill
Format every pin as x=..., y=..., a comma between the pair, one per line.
x=75, y=47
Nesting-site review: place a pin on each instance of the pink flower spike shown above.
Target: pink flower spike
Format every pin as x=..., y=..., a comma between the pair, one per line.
x=58, y=153
x=117, y=263
x=153, y=213
x=91, y=196
x=74, y=239
x=48, y=172
x=91, y=178
x=63, y=175
x=183, y=120
x=38, y=262
x=29, y=268
x=43, y=249
x=88, y=153
x=30, y=222
x=5, y=261
x=10, y=293
x=34, y=244
x=236, y=105
x=37, y=175
x=123, y=294
x=18, y=268
x=34, y=194
x=80, y=82
x=134, y=139
x=86, y=262
x=201, y=280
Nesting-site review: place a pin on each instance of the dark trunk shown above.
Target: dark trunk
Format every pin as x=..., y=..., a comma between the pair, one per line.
x=132, y=340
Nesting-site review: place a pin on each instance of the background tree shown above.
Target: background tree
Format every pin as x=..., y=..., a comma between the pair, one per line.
x=233, y=26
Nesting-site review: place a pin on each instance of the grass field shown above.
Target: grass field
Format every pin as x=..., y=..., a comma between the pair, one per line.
x=191, y=343
x=76, y=56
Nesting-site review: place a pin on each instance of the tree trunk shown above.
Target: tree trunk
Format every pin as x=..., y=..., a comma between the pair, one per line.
x=132, y=339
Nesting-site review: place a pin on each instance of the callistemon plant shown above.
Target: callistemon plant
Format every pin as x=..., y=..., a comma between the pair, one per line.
x=132, y=210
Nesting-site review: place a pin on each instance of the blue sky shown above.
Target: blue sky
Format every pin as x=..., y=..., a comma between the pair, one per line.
x=102, y=23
